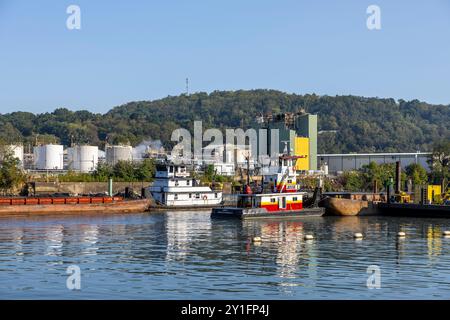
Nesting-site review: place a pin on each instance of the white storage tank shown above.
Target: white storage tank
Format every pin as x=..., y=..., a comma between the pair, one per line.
x=49, y=157
x=15, y=150
x=82, y=158
x=115, y=154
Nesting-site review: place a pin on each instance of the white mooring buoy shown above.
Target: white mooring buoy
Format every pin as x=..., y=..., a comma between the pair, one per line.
x=358, y=235
x=309, y=237
x=401, y=234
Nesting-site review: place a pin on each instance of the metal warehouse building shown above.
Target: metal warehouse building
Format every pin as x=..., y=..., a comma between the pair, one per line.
x=354, y=161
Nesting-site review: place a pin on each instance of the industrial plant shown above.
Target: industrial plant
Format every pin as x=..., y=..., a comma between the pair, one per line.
x=297, y=136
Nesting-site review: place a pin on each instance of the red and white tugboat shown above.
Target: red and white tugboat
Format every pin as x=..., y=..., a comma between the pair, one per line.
x=282, y=200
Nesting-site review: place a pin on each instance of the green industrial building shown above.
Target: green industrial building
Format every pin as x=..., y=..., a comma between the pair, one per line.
x=306, y=126
x=291, y=126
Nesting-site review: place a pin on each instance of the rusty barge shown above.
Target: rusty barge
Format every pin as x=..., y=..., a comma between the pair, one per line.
x=71, y=205
x=350, y=203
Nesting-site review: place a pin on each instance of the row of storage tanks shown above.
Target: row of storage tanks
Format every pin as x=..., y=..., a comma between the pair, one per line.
x=78, y=158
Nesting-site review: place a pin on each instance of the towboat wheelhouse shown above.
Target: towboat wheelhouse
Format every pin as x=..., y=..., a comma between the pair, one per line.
x=282, y=178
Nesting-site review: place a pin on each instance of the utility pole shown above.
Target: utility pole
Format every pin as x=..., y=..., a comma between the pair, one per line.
x=248, y=169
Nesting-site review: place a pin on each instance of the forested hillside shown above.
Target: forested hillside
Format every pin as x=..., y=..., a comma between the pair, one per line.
x=349, y=123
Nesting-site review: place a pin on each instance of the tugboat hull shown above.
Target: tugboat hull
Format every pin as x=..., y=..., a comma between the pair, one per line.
x=253, y=213
x=184, y=208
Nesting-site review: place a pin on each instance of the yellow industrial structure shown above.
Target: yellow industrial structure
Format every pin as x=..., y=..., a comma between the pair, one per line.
x=302, y=149
x=434, y=192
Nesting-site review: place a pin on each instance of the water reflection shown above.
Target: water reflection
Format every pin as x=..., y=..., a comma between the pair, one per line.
x=182, y=230
x=89, y=239
x=434, y=241
x=17, y=237
x=54, y=240
x=295, y=258
x=180, y=255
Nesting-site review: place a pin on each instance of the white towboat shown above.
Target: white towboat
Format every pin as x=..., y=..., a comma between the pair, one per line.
x=175, y=188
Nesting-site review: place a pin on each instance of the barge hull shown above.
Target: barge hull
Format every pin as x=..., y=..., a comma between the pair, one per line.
x=414, y=210
x=134, y=206
x=261, y=213
x=348, y=207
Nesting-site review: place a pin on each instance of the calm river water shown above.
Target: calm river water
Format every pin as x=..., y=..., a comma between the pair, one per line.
x=186, y=255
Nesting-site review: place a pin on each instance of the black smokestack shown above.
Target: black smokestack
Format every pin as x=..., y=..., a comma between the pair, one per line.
x=398, y=174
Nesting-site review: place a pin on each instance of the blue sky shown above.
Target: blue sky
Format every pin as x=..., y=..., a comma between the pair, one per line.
x=144, y=50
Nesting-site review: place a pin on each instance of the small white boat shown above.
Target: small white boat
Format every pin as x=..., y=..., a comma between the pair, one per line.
x=175, y=188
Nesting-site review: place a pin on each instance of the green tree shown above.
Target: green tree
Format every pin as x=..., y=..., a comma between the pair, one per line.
x=11, y=176
x=145, y=171
x=378, y=172
x=352, y=181
x=440, y=162
x=124, y=171
x=103, y=172
x=417, y=174
x=348, y=123
x=209, y=172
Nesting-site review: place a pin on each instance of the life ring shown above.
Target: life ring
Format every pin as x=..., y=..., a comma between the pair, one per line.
x=205, y=197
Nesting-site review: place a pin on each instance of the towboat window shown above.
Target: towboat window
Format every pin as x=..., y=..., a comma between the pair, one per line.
x=175, y=196
x=197, y=195
x=188, y=182
x=176, y=183
x=215, y=195
x=272, y=200
x=171, y=169
x=190, y=195
x=294, y=199
x=289, y=181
